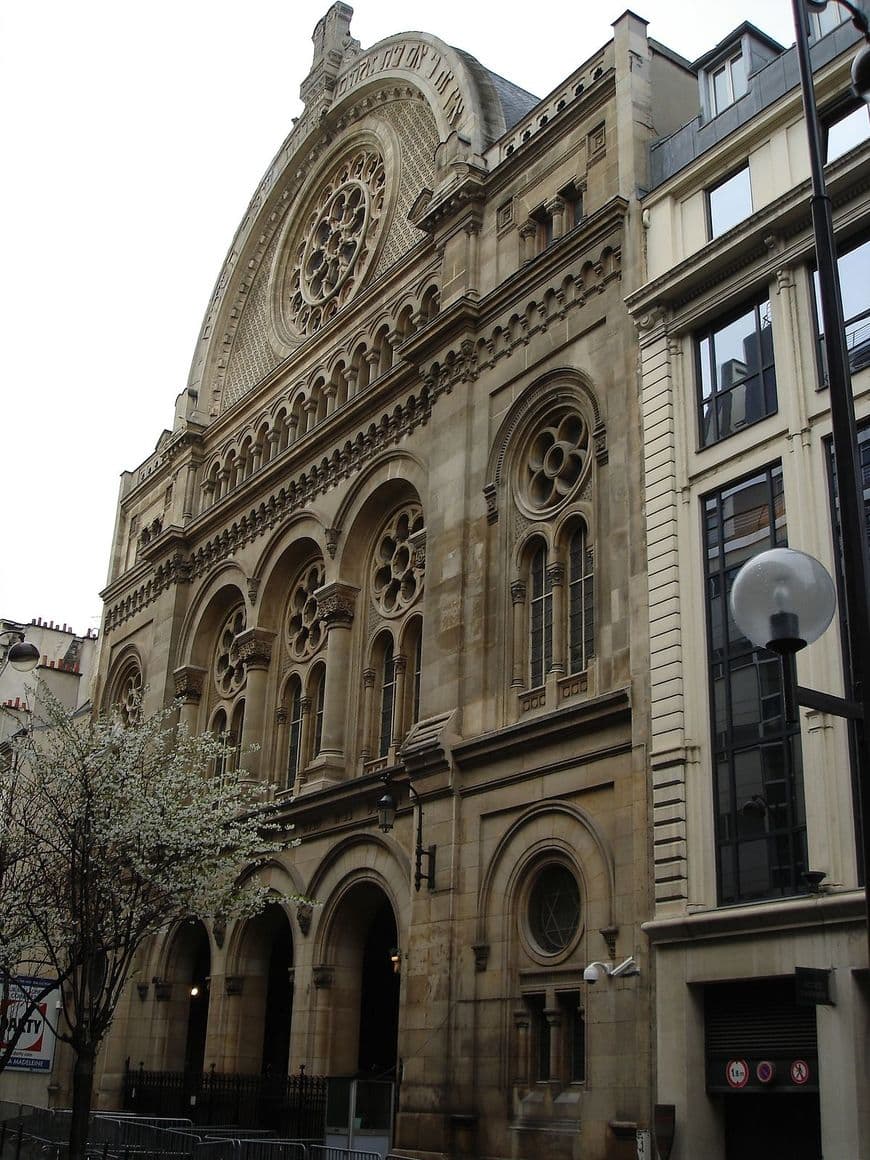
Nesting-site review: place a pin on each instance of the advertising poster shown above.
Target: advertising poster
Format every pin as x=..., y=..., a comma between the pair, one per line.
x=34, y=1050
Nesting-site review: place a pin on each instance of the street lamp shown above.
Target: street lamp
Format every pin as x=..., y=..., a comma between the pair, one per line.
x=20, y=653
x=386, y=810
x=853, y=539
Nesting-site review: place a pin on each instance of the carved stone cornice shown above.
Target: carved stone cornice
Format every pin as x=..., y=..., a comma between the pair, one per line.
x=189, y=682
x=254, y=647
x=336, y=603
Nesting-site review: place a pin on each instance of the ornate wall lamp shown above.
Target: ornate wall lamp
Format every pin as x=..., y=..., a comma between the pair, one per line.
x=386, y=808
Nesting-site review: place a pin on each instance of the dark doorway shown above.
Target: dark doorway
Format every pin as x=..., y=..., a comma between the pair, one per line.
x=197, y=986
x=759, y=1126
x=279, y=996
x=379, y=998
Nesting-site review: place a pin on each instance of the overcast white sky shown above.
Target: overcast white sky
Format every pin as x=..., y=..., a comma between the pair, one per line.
x=133, y=136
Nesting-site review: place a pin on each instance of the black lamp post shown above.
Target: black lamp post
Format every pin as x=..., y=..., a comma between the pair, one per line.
x=386, y=809
x=853, y=540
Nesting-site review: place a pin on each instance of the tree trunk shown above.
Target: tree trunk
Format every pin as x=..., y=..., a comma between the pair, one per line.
x=82, y=1094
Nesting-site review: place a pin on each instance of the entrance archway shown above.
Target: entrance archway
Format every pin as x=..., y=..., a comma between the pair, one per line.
x=188, y=970
x=365, y=996
x=266, y=964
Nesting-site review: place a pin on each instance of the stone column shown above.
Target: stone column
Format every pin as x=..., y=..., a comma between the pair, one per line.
x=556, y=580
x=553, y=1015
x=518, y=596
x=304, y=742
x=365, y=751
x=556, y=210
x=400, y=666
x=335, y=603
x=521, y=1025
x=528, y=237
x=254, y=648
x=329, y=393
x=189, y=682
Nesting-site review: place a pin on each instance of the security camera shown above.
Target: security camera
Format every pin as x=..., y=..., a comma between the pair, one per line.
x=594, y=971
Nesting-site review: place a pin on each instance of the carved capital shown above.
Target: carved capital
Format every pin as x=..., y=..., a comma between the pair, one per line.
x=188, y=683
x=491, y=497
x=331, y=541
x=518, y=591
x=556, y=574
x=481, y=956
x=254, y=647
x=529, y=229
x=400, y=663
x=417, y=540
x=369, y=678
x=336, y=603
x=281, y=715
x=253, y=589
x=323, y=976
x=303, y=917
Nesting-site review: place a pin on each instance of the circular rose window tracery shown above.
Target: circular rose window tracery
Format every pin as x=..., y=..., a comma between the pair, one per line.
x=397, y=569
x=556, y=460
x=335, y=242
x=129, y=695
x=305, y=629
x=229, y=672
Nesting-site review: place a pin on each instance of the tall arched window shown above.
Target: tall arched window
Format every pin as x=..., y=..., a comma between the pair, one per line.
x=294, y=730
x=388, y=695
x=580, y=604
x=318, y=691
x=540, y=618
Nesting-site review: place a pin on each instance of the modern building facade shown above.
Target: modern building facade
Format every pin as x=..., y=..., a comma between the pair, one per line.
x=755, y=830
x=395, y=540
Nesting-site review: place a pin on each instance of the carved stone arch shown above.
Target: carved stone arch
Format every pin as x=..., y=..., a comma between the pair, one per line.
x=391, y=477
x=568, y=829
x=359, y=858
x=224, y=589
x=125, y=682
x=568, y=520
x=525, y=544
x=282, y=883
x=302, y=540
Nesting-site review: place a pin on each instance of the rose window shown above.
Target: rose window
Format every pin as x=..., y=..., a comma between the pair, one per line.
x=554, y=909
x=557, y=461
x=130, y=695
x=336, y=242
x=229, y=672
x=305, y=630
x=397, y=569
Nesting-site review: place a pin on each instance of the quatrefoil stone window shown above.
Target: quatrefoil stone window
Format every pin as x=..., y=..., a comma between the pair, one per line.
x=397, y=570
x=305, y=630
x=336, y=241
x=556, y=461
x=229, y=672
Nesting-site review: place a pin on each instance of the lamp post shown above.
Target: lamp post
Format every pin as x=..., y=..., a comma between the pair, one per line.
x=20, y=653
x=386, y=811
x=853, y=541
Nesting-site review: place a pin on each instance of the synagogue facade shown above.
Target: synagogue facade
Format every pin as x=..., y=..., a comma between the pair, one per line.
x=394, y=541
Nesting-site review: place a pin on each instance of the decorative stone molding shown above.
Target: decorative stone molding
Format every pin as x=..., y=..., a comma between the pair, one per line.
x=556, y=574
x=189, y=683
x=281, y=715
x=396, y=574
x=254, y=648
x=490, y=495
x=253, y=588
x=481, y=956
x=518, y=591
x=303, y=917
x=331, y=536
x=219, y=930
x=336, y=603
x=323, y=977
x=304, y=629
x=609, y=933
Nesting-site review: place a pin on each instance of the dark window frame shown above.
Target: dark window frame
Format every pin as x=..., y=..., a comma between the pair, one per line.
x=858, y=359
x=765, y=374
x=756, y=760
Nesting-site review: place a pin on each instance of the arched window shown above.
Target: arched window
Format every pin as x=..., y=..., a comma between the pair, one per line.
x=318, y=691
x=294, y=730
x=218, y=727
x=388, y=695
x=237, y=725
x=540, y=618
x=417, y=661
x=580, y=605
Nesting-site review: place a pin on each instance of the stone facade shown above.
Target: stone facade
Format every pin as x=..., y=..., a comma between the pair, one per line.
x=395, y=540
x=736, y=458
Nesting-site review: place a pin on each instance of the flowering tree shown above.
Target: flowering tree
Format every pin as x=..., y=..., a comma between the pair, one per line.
x=115, y=830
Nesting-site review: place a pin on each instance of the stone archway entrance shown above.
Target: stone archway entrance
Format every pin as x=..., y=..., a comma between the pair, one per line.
x=266, y=963
x=364, y=999
x=188, y=971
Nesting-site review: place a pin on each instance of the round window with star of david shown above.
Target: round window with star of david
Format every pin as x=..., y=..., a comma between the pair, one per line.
x=554, y=909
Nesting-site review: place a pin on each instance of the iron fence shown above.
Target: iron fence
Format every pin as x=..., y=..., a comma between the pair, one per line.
x=293, y=1107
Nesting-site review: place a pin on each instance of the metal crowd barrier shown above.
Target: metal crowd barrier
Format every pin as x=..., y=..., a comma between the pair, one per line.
x=324, y=1152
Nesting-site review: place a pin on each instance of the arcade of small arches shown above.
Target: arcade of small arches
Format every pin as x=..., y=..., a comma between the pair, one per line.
x=296, y=412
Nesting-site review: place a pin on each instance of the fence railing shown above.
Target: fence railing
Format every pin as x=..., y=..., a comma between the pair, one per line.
x=293, y=1107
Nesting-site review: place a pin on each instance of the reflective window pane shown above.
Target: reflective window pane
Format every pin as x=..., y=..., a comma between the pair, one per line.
x=735, y=368
x=730, y=202
x=848, y=132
